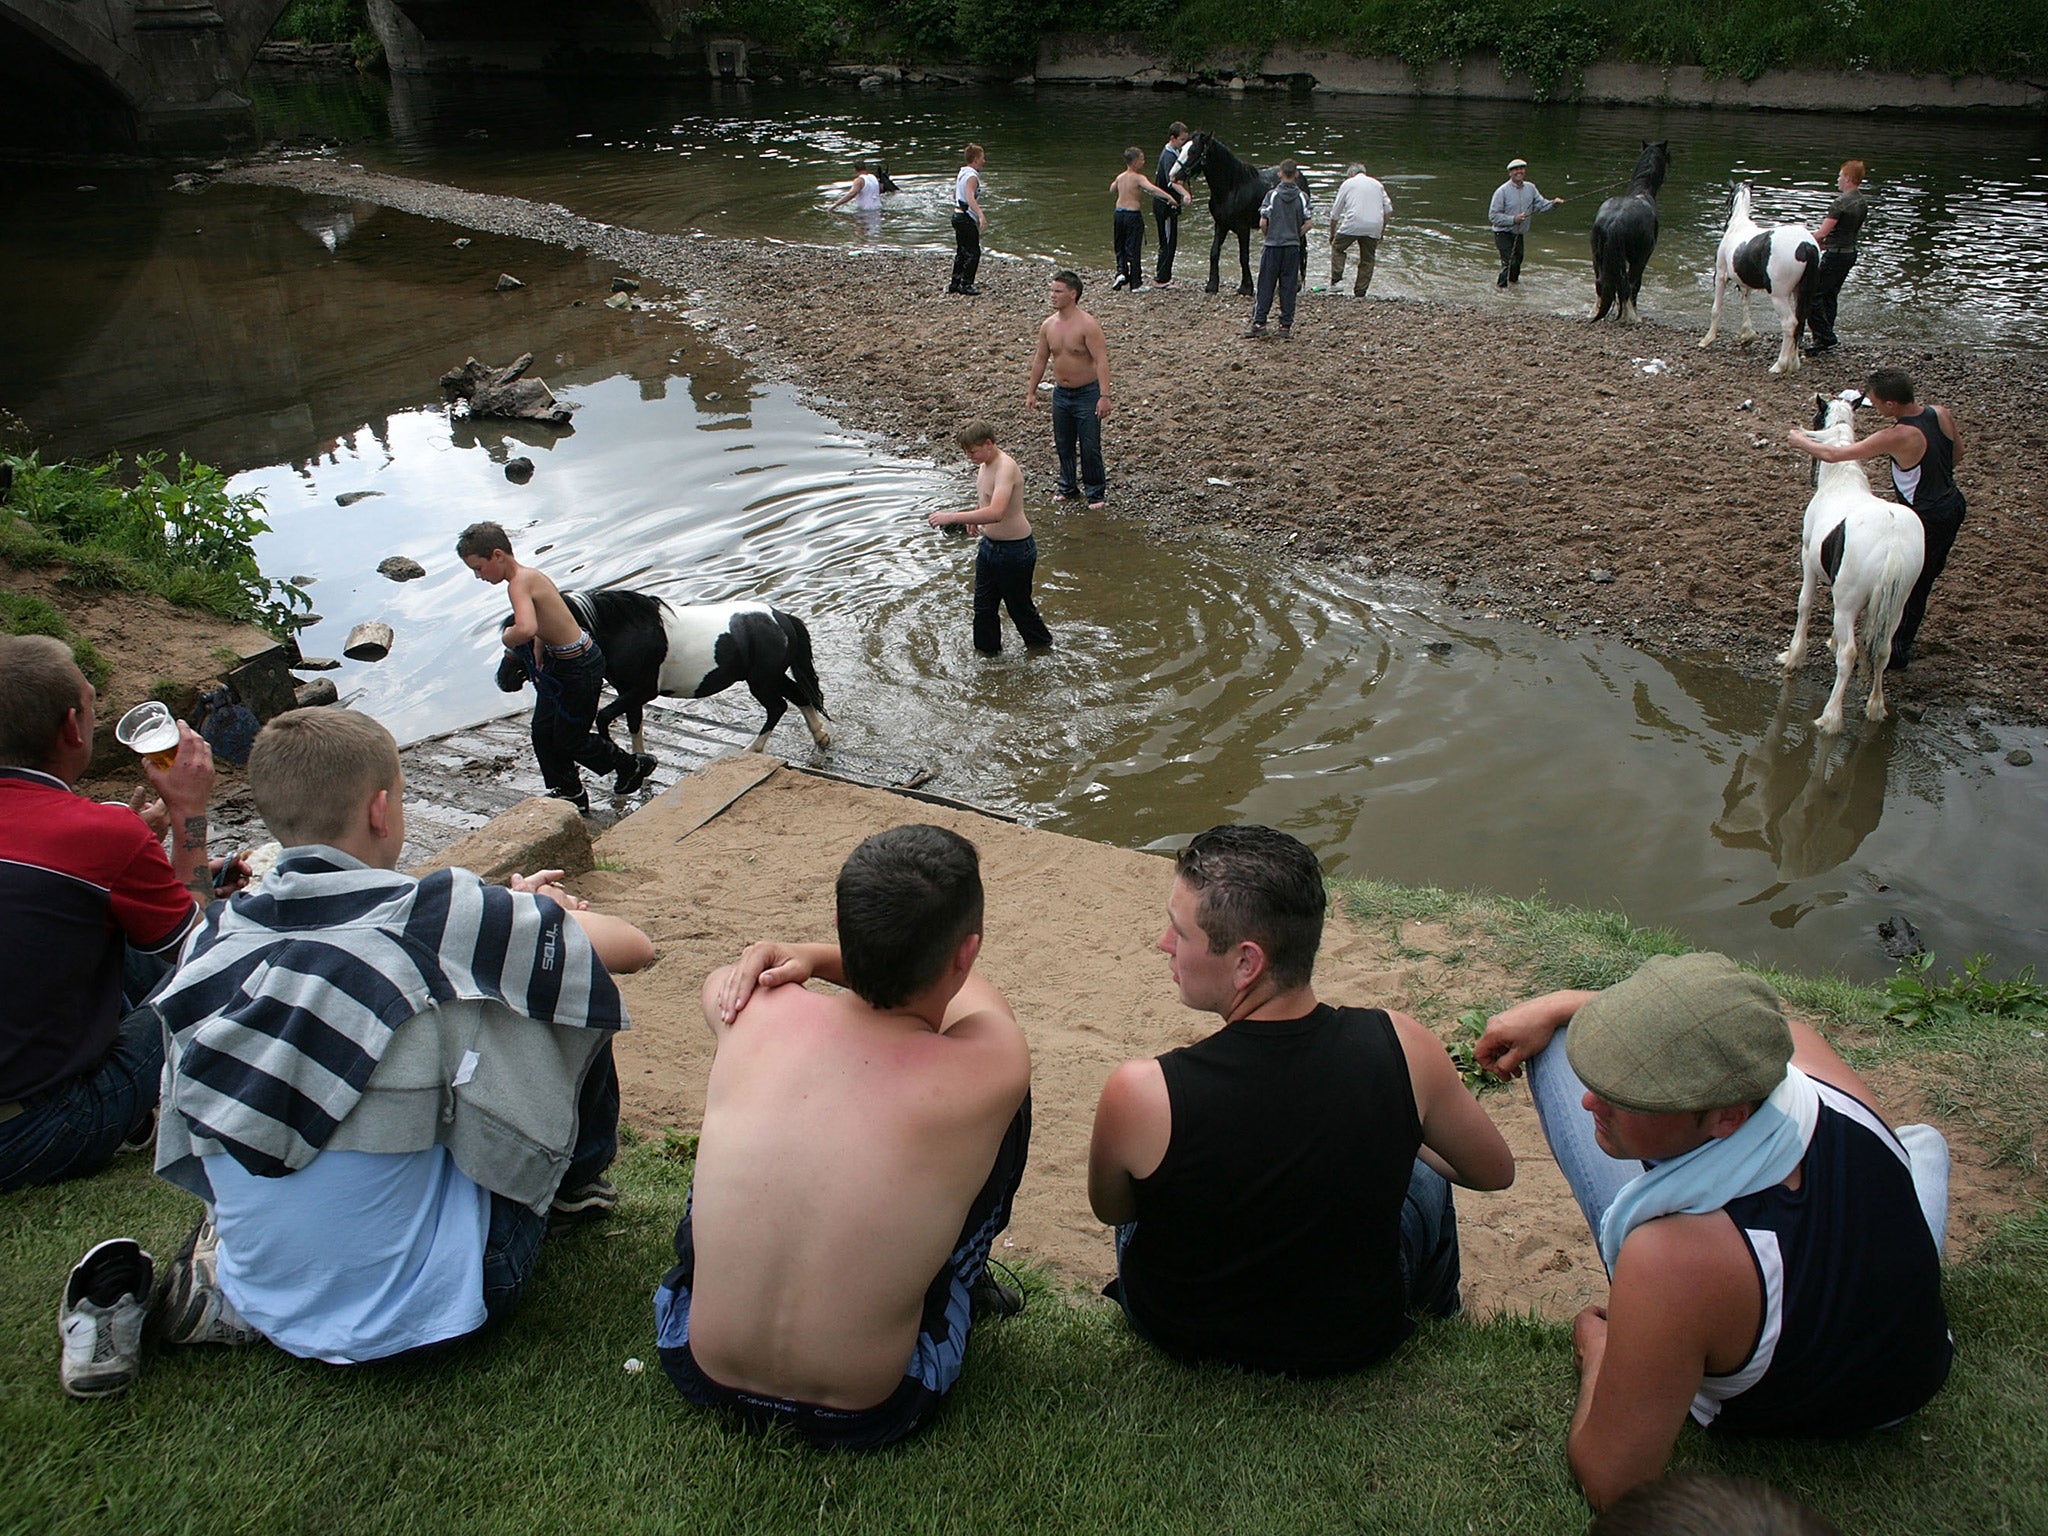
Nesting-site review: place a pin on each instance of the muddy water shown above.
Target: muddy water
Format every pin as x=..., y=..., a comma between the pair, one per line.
x=299, y=341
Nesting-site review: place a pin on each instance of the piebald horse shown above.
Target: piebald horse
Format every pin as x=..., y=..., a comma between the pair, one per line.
x=1869, y=551
x=1779, y=261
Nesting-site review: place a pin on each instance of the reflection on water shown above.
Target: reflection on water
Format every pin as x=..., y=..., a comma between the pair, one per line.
x=1192, y=681
x=1810, y=800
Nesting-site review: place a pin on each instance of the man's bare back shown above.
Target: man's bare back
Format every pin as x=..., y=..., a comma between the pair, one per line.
x=1132, y=187
x=842, y=1146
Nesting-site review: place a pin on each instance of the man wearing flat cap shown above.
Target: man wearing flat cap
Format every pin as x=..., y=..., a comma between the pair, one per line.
x=1773, y=1247
x=1515, y=202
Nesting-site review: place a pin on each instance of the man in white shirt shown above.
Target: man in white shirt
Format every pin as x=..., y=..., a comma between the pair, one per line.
x=1358, y=217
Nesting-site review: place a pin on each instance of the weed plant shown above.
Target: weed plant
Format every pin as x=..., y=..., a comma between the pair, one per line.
x=182, y=535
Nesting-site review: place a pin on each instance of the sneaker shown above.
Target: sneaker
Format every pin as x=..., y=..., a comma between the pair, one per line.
x=106, y=1301
x=634, y=774
x=141, y=1139
x=1286, y=333
x=1120, y=281
x=1814, y=349
x=1164, y=282
x=970, y=290
x=581, y=802
x=1255, y=333
x=195, y=1309
x=989, y=1297
x=586, y=1202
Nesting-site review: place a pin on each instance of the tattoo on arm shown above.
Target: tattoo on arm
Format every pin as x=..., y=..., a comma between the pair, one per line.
x=191, y=846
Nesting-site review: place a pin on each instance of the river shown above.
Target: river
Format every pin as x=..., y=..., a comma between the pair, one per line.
x=296, y=342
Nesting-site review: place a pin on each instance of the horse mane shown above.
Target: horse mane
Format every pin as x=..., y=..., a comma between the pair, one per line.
x=1651, y=165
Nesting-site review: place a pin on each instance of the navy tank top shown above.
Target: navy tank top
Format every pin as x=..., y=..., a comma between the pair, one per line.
x=1853, y=1334
x=1269, y=1235
x=1929, y=487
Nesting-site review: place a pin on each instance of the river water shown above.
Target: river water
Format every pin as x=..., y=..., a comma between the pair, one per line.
x=296, y=341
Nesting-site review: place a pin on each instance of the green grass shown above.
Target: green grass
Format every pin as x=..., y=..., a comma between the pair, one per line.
x=23, y=613
x=1063, y=1421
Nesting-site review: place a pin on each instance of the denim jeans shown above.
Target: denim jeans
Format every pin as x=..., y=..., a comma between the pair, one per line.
x=564, y=723
x=1075, y=426
x=512, y=1241
x=1429, y=1247
x=1002, y=574
x=75, y=1128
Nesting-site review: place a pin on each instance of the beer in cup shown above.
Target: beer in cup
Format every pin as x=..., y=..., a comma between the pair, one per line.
x=149, y=731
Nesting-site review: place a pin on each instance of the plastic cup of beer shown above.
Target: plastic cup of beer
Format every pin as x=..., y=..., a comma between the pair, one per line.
x=150, y=731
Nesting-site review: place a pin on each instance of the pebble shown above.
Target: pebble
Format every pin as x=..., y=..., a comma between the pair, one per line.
x=519, y=470
x=400, y=568
x=2019, y=757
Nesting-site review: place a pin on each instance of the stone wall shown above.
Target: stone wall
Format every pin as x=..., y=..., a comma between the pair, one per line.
x=1114, y=59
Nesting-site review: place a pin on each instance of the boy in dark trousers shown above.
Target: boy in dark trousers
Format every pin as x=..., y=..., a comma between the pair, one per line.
x=1008, y=555
x=1283, y=219
x=566, y=666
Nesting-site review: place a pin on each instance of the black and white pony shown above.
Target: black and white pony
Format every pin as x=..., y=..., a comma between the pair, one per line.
x=1868, y=550
x=1235, y=191
x=1779, y=261
x=692, y=651
x=1625, y=232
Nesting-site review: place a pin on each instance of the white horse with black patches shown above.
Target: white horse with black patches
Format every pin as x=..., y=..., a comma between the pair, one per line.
x=1779, y=261
x=1869, y=551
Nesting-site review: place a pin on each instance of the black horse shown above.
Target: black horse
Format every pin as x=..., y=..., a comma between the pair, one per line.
x=1235, y=192
x=1625, y=232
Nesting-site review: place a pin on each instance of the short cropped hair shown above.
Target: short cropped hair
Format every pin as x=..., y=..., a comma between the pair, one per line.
x=1890, y=384
x=1253, y=883
x=1176, y=129
x=1289, y=169
x=972, y=152
x=975, y=433
x=1354, y=169
x=39, y=684
x=312, y=770
x=1071, y=278
x=1698, y=1504
x=1133, y=155
x=906, y=898
x=1856, y=170
x=482, y=540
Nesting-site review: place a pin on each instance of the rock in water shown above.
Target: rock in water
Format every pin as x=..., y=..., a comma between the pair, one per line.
x=350, y=498
x=519, y=471
x=316, y=692
x=369, y=641
x=1901, y=940
x=504, y=391
x=507, y=282
x=399, y=568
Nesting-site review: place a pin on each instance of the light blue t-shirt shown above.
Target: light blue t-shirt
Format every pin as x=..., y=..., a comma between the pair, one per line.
x=357, y=1256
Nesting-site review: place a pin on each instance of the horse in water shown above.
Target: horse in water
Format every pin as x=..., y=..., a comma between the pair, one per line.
x=1779, y=261
x=1235, y=192
x=1869, y=551
x=1625, y=232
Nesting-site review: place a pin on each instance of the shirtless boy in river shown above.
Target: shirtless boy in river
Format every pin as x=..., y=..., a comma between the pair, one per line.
x=1008, y=554
x=1127, y=224
x=565, y=665
x=1071, y=340
x=855, y=1146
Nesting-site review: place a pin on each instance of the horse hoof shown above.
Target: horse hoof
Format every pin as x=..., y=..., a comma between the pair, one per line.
x=1828, y=726
x=1788, y=661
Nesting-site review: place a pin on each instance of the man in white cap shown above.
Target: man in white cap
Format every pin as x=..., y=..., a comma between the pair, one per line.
x=1515, y=202
x=1773, y=1247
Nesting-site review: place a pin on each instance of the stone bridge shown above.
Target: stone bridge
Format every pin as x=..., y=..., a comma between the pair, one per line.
x=100, y=74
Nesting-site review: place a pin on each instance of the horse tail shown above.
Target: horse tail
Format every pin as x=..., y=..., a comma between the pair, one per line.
x=1808, y=257
x=1888, y=597
x=806, y=692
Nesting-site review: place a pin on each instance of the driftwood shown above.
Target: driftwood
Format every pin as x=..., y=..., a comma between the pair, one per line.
x=504, y=391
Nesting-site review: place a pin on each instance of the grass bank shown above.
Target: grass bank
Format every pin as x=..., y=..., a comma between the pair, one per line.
x=178, y=534
x=1063, y=1422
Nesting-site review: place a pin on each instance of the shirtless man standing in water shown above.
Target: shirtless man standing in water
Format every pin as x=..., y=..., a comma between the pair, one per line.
x=1008, y=554
x=859, y=1154
x=1071, y=340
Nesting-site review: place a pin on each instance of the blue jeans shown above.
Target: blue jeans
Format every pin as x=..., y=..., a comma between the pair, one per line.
x=565, y=724
x=1429, y=1247
x=1076, y=427
x=74, y=1129
x=512, y=1241
x=1002, y=575
x=1279, y=265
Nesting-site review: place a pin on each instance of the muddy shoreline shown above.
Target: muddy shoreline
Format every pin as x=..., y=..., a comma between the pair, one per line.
x=1489, y=458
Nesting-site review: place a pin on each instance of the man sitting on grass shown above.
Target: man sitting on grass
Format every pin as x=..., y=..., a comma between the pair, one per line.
x=1282, y=1190
x=380, y=1086
x=859, y=1154
x=1774, y=1248
x=93, y=913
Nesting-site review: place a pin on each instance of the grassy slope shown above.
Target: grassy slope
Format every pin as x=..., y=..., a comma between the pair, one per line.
x=1063, y=1422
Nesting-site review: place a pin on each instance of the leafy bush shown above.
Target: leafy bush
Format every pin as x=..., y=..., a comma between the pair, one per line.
x=1914, y=1001
x=183, y=535
x=330, y=21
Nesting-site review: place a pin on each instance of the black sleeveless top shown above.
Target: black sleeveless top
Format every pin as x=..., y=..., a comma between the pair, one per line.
x=1853, y=1335
x=1935, y=491
x=1269, y=1236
